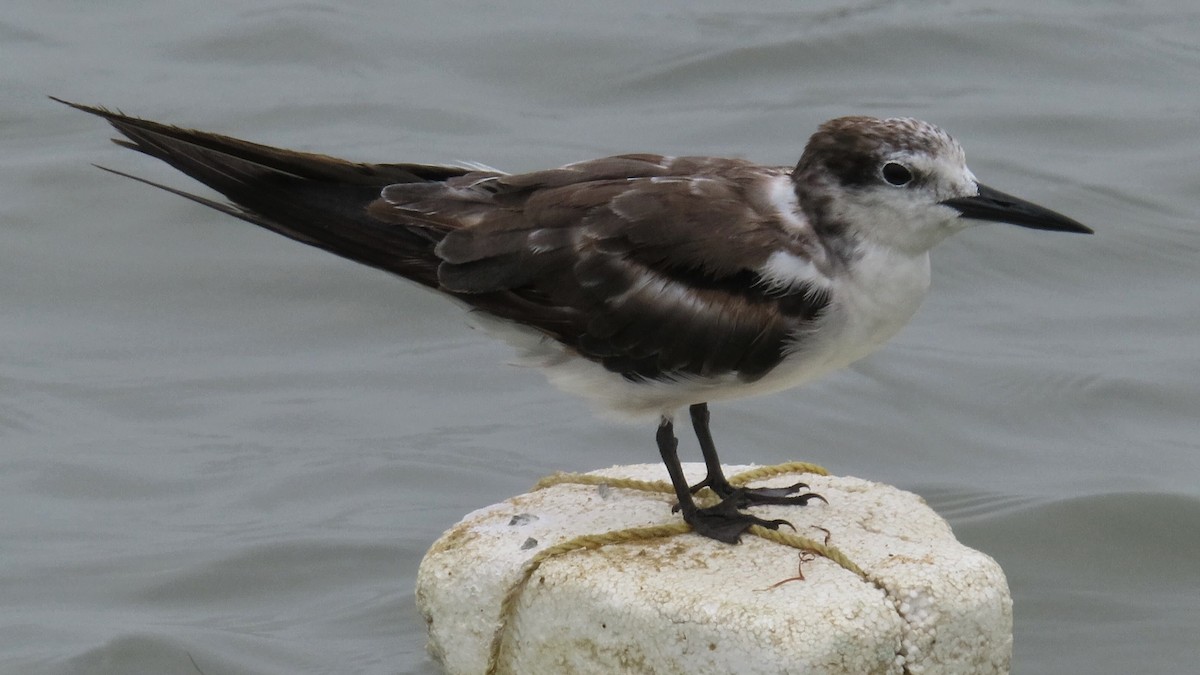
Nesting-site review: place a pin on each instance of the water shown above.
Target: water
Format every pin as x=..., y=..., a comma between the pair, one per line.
x=223, y=451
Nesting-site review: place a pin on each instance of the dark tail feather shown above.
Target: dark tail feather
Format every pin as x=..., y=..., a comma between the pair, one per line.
x=315, y=199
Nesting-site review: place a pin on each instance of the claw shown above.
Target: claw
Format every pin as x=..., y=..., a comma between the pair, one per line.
x=750, y=496
x=724, y=522
x=745, y=496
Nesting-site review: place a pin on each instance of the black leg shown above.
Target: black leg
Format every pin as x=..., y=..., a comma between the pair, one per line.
x=722, y=522
x=668, y=447
x=716, y=481
x=716, y=475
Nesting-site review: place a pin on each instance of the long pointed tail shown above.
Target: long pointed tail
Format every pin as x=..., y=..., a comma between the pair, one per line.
x=315, y=199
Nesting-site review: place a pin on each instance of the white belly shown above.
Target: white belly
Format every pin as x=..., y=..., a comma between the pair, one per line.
x=866, y=309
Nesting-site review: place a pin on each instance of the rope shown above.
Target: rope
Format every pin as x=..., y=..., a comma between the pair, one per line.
x=592, y=479
x=593, y=541
x=806, y=544
x=764, y=472
x=580, y=543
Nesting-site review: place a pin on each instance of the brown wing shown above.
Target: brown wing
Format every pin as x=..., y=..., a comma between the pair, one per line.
x=648, y=265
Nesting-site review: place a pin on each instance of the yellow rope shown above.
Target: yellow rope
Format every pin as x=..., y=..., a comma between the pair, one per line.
x=594, y=541
x=580, y=543
x=763, y=472
x=592, y=479
x=806, y=544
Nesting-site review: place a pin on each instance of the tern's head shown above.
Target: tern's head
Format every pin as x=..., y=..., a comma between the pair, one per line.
x=904, y=183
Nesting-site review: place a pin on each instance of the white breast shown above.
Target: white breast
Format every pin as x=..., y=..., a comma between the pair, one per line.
x=870, y=302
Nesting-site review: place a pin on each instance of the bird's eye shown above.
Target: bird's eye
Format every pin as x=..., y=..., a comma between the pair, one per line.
x=896, y=174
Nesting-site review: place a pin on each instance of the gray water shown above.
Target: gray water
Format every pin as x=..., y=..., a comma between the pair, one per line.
x=221, y=451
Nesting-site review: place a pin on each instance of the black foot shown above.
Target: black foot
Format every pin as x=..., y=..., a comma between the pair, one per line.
x=724, y=522
x=787, y=495
x=744, y=497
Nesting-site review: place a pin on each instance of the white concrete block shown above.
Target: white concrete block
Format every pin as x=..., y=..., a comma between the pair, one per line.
x=688, y=604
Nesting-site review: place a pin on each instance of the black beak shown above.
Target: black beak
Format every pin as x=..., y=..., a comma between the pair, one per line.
x=998, y=207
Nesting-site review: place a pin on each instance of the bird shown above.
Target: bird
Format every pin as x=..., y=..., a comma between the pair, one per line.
x=644, y=283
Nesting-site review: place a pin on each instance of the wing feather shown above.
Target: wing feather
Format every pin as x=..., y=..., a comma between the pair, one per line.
x=652, y=266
